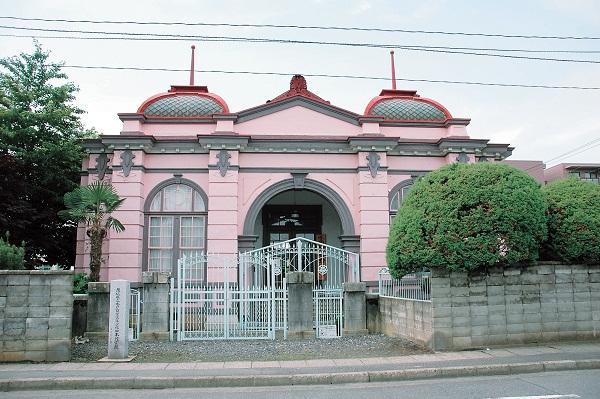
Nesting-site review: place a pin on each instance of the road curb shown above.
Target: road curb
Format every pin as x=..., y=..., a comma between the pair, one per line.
x=72, y=383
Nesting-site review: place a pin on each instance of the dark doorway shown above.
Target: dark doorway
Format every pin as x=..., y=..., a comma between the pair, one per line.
x=285, y=222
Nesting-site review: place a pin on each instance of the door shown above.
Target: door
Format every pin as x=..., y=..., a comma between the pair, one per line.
x=286, y=222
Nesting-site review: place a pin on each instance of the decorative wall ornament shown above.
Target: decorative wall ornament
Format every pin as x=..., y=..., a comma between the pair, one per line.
x=102, y=165
x=223, y=163
x=462, y=158
x=299, y=179
x=373, y=164
x=127, y=162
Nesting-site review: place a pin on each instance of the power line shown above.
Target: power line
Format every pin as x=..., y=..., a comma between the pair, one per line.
x=569, y=153
x=321, y=75
x=165, y=36
x=314, y=27
x=572, y=152
x=221, y=38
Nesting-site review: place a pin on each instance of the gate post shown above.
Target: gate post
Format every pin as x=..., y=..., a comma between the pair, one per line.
x=355, y=309
x=155, y=325
x=300, y=304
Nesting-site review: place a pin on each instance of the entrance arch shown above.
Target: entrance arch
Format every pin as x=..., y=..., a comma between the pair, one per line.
x=344, y=213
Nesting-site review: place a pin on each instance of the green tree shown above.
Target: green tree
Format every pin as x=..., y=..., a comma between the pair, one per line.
x=40, y=155
x=93, y=205
x=11, y=256
x=463, y=217
x=573, y=221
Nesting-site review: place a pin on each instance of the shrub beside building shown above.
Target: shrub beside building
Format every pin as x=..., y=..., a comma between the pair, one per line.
x=466, y=216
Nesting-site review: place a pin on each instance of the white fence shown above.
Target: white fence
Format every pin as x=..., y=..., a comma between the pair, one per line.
x=134, y=315
x=414, y=287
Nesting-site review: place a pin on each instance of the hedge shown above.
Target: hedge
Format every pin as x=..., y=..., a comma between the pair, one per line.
x=466, y=216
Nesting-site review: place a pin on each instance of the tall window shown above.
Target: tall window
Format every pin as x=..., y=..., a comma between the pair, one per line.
x=176, y=226
x=397, y=195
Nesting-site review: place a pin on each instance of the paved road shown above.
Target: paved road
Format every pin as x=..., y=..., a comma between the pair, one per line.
x=551, y=385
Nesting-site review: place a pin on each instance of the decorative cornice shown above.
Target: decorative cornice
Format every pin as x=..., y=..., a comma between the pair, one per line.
x=317, y=145
x=223, y=142
x=371, y=143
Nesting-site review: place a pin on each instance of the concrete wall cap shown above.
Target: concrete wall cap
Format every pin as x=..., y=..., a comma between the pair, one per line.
x=300, y=277
x=37, y=272
x=354, y=287
x=98, y=287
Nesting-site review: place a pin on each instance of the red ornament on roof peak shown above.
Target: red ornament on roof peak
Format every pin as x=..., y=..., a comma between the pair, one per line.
x=298, y=87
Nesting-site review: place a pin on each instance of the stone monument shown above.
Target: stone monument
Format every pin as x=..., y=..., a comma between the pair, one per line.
x=118, y=321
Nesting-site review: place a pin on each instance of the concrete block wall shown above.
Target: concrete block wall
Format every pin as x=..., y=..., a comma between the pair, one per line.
x=515, y=305
x=36, y=308
x=407, y=319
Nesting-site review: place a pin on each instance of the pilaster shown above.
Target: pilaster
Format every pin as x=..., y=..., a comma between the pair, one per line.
x=222, y=229
x=374, y=212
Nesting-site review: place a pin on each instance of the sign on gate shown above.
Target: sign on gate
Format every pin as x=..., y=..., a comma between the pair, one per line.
x=328, y=331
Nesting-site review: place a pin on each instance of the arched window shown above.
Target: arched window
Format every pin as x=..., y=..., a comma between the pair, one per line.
x=176, y=225
x=397, y=195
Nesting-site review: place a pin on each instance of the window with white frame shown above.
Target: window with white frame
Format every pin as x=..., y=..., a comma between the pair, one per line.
x=176, y=226
x=397, y=196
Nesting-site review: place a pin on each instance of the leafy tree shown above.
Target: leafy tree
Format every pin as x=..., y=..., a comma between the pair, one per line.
x=40, y=155
x=93, y=205
x=573, y=221
x=463, y=217
x=11, y=256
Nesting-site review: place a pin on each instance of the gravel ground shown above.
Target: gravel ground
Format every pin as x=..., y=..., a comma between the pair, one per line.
x=373, y=345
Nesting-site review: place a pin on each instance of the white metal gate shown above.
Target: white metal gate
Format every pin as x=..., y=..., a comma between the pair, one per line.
x=328, y=308
x=331, y=266
x=210, y=303
x=246, y=297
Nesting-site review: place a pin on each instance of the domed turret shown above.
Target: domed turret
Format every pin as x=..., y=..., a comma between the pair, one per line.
x=405, y=105
x=184, y=102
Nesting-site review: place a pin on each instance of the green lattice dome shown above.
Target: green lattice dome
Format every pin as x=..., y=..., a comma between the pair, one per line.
x=403, y=109
x=405, y=105
x=183, y=106
x=184, y=102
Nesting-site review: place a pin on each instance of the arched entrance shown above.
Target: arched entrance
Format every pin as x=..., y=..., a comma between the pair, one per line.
x=281, y=203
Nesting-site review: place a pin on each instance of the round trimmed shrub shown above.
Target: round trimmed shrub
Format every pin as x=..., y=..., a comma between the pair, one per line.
x=573, y=221
x=466, y=216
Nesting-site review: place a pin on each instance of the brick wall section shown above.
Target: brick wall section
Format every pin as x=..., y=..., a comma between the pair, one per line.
x=406, y=319
x=35, y=315
x=515, y=305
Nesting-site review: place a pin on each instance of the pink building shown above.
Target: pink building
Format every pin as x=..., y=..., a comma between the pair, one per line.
x=198, y=176
x=585, y=171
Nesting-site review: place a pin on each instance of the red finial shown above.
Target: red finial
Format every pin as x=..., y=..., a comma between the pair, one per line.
x=192, y=67
x=393, y=71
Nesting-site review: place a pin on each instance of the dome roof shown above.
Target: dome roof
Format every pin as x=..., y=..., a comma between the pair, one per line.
x=184, y=102
x=406, y=106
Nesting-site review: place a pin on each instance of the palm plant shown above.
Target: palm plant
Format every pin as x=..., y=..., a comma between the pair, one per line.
x=93, y=205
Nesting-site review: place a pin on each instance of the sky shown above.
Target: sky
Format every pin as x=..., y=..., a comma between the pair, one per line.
x=542, y=124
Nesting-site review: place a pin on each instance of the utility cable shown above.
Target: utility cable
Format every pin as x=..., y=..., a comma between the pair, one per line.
x=322, y=75
x=164, y=36
x=314, y=27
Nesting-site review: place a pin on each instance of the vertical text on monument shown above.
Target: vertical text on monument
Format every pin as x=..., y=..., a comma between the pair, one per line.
x=118, y=342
